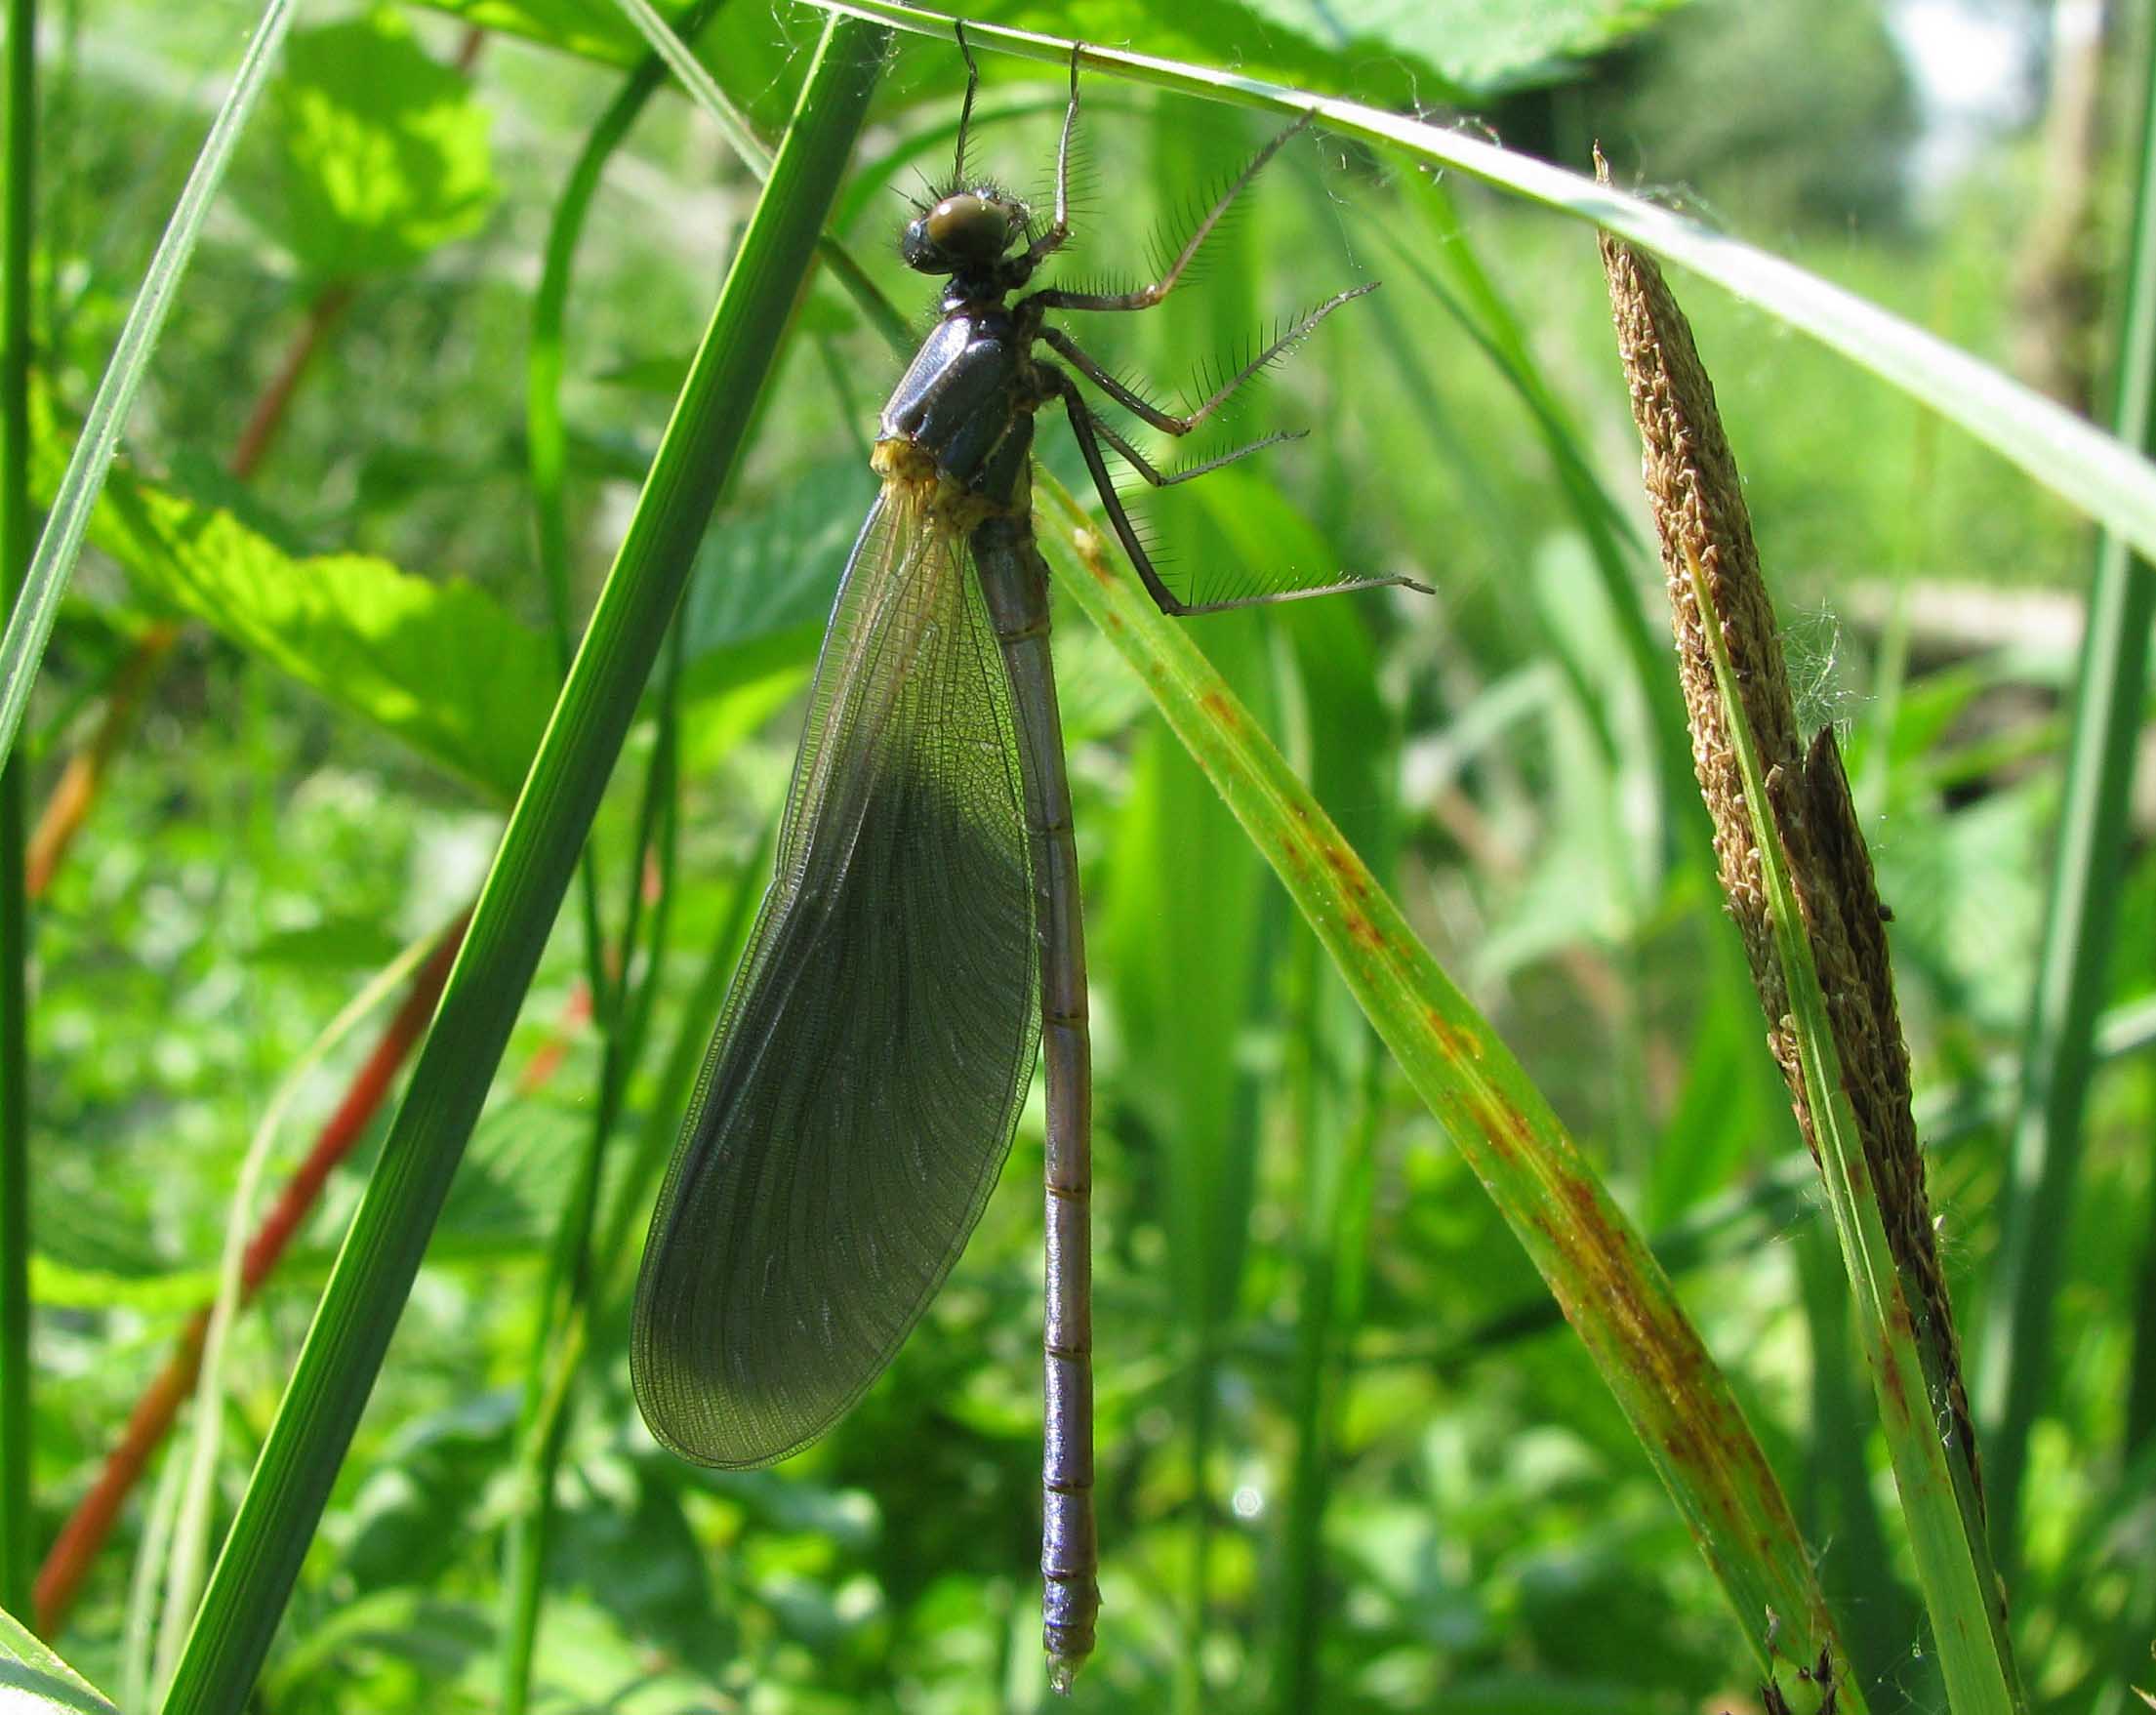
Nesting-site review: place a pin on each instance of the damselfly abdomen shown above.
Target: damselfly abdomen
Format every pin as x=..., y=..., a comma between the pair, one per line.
x=923, y=933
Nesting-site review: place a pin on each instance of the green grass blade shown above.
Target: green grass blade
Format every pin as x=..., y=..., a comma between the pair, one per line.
x=2080, y=913
x=543, y=1420
x=30, y=622
x=17, y=212
x=1616, y=1297
x=2105, y=479
x=523, y=892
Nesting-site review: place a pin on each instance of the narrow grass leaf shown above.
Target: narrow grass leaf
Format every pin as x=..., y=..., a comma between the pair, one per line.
x=30, y=625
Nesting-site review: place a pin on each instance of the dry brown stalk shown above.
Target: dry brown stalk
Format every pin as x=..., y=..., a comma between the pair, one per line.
x=1705, y=532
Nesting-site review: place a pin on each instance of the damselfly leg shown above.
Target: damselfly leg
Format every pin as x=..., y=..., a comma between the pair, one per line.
x=1092, y=431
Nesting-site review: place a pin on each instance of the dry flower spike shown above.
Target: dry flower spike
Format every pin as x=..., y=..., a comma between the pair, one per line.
x=1713, y=570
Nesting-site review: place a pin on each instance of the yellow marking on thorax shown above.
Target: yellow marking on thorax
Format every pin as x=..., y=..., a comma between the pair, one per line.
x=911, y=481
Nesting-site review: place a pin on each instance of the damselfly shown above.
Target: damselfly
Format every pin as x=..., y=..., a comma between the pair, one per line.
x=921, y=937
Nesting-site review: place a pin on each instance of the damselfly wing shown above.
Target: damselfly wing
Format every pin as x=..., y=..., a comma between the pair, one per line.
x=866, y=1074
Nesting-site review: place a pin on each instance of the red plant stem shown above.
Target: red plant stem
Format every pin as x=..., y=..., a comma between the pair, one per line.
x=69, y=805
x=275, y=399
x=548, y=1057
x=59, y=1579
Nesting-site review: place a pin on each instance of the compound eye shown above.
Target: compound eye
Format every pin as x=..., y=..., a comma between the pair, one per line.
x=968, y=227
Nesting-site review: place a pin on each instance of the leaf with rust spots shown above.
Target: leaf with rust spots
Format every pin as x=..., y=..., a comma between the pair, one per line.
x=1222, y=709
x=1343, y=864
x=1362, y=932
x=1457, y=1045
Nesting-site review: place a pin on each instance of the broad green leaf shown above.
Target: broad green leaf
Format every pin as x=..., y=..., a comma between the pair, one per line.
x=33, y=1680
x=1474, y=44
x=62, y=1286
x=1388, y=52
x=591, y=29
x=441, y=666
x=1385, y=51
x=1287, y=41
x=382, y=151
x=755, y=48
x=774, y=566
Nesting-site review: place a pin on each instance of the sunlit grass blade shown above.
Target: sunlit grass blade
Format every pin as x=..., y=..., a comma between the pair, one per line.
x=2104, y=477
x=2036, y=1201
x=32, y=622
x=1618, y=1300
x=539, y=849
x=39, y=1682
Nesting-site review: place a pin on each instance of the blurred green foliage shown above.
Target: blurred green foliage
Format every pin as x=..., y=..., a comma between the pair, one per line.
x=383, y=150
x=1346, y=1464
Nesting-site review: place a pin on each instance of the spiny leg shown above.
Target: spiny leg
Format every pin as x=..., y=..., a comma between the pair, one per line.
x=1059, y=229
x=1169, y=422
x=1089, y=431
x=1146, y=297
x=965, y=109
x=1084, y=428
x=1160, y=478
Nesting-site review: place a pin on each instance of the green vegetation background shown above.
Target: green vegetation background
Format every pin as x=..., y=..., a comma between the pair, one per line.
x=1348, y=1462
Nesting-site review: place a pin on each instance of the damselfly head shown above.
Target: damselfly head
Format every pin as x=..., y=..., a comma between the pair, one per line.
x=966, y=230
